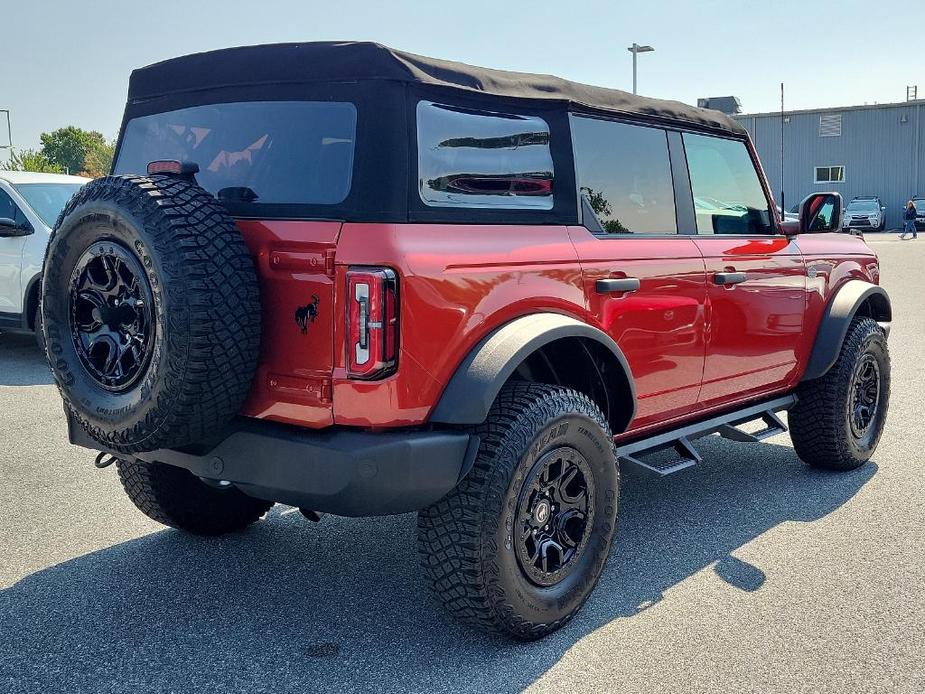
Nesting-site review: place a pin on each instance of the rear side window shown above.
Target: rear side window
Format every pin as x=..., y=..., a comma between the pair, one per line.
x=483, y=159
x=728, y=196
x=276, y=152
x=624, y=177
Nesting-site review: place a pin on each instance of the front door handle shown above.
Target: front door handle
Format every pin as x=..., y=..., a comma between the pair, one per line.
x=617, y=286
x=729, y=278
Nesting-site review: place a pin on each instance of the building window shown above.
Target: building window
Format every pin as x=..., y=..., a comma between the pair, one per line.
x=830, y=174
x=483, y=159
x=624, y=177
x=830, y=125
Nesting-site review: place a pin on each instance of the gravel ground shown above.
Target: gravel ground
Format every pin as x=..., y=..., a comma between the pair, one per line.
x=748, y=573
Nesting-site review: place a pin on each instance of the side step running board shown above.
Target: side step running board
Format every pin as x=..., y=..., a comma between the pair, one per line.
x=726, y=425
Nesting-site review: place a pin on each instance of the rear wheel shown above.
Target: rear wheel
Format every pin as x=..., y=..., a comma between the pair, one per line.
x=175, y=497
x=839, y=418
x=519, y=545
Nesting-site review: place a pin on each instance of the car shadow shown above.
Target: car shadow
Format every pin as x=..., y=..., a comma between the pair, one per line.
x=339, y=606
x=21, y=362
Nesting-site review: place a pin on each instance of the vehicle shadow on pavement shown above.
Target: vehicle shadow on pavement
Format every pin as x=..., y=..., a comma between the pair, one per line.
x=21, y=362
x=341, y=606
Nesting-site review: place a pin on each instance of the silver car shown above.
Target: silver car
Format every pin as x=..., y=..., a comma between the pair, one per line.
x=864, y=213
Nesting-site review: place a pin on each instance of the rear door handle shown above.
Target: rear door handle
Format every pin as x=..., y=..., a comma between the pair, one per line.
x=617, y=286
x=729, y=278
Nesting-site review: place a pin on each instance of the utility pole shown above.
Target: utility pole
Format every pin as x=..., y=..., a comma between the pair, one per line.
x=783, y=208
x=636, y=49
x=9, y=130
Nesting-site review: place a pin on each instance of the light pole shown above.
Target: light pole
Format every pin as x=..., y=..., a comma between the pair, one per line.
x=636, y=49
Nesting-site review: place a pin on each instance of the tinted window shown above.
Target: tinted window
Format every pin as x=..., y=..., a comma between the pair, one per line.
x=47, y=199
x=483, y=159
x=10, y=209
x=264, y=151
x=728, y=197
x=624, y=175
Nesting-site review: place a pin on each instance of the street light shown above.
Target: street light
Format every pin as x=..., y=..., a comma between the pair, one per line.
x=635, y=49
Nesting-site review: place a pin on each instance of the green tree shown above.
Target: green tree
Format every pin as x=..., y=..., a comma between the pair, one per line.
x=69, y=147
x=98, y=161
x=30, y=160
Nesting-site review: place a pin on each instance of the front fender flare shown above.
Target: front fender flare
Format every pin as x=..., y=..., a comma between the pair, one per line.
x=837, y=318
x=474, y=386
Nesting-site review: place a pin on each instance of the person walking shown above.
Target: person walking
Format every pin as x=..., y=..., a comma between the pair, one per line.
x=909, y=221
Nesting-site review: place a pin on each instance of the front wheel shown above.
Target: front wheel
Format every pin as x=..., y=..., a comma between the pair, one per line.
x=839, y=418
x=519, y=545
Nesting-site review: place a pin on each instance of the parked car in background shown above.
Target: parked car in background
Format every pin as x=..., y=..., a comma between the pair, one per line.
x=865, y=213
x=919, y=202
x=29, y=205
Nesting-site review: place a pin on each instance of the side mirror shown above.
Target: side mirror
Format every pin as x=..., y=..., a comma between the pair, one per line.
x=819, y=213
x=9, y=228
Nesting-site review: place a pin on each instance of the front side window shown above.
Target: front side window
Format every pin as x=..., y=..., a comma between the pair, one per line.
x=728, y=195
x=483, y=159
x=276, y=152
x=624, y=177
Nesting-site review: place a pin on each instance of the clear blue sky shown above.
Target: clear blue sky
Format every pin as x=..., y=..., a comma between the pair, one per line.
x=67, y=61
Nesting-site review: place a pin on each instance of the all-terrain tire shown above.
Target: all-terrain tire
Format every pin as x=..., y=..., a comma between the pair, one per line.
x=204, y=337
x=821, y=421
x=175, y=497
x=468, y=541
x=37, y=326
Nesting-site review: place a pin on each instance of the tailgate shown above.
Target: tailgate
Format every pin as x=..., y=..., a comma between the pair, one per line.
x=295, y=266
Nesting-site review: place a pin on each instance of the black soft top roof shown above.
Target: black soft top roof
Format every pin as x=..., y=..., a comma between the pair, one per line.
x=303, y=63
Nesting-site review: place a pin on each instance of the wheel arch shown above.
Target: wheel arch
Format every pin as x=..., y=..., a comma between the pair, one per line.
x=31, y=301
x=545, y=348
x=855, y=298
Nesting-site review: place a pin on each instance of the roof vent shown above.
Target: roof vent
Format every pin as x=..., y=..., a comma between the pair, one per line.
x=830, y=125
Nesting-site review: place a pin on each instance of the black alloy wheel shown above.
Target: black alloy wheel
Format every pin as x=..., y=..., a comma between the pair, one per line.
x=865, y=395
x=555, y=510
x=112, y=324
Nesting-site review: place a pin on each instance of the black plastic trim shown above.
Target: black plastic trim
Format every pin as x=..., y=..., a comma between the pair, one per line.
x=683, y=195
x=837, y=319
x=11, y=320
x=32, y=291
x=478, y=379
x=348, y=472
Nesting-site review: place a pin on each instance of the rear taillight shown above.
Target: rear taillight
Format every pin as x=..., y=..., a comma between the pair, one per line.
x=372, y=322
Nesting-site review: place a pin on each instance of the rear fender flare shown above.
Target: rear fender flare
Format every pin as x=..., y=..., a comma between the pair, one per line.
x=853, y=296
x=474, y=386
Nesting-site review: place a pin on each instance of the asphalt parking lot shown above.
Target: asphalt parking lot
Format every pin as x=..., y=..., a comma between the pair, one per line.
x=749, y=573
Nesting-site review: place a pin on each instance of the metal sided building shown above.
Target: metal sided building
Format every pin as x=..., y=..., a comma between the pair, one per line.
x=856, y=150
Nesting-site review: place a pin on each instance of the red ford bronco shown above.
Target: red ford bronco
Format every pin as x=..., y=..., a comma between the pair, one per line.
x=364, y=282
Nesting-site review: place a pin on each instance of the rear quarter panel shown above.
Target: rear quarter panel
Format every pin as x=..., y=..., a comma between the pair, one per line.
x=457, y=283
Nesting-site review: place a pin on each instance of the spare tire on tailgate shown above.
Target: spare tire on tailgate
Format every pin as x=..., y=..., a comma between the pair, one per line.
x=151, y=312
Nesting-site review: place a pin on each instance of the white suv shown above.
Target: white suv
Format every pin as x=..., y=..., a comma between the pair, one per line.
x=29, y=206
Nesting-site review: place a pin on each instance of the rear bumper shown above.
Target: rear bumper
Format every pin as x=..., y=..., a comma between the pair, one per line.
x=341, y=471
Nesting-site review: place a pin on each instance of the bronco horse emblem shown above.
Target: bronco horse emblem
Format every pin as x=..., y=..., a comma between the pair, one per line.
x=307, y=314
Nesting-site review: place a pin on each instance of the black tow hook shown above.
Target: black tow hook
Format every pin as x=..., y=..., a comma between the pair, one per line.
x=104, y=459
